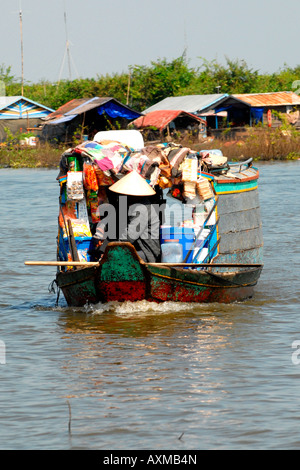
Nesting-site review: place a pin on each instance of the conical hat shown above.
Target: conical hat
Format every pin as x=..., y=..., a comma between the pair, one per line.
x=132, y=184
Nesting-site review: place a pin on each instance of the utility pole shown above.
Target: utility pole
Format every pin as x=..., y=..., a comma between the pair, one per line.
x=128, y=86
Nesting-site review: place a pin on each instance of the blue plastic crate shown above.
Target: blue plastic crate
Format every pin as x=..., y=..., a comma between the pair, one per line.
x=184, y=235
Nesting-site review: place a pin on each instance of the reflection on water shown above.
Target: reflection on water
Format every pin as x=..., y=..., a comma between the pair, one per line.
x=138, y=375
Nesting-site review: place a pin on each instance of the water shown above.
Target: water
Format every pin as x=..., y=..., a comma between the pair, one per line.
x=144, y=376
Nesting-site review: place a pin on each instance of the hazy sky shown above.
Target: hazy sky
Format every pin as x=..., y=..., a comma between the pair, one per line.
x=107, y=37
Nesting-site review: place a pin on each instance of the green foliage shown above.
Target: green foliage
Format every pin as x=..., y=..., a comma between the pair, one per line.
x=152, y=84
x=5, y=75
x=162, y=78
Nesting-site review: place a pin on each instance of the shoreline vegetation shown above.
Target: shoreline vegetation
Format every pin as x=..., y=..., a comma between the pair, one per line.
x=260, y=144
x=142, y=86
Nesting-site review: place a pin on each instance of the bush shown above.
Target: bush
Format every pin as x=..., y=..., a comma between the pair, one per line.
x=44, y=156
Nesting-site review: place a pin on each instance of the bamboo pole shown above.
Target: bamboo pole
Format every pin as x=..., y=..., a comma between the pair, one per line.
x=167, y=265
x=62, y=263
x=206, y=265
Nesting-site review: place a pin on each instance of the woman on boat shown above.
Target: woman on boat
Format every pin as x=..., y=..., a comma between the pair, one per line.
x=135, y=218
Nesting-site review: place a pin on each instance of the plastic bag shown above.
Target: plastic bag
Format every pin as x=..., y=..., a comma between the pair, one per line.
x=75, y=189
x=89, y=177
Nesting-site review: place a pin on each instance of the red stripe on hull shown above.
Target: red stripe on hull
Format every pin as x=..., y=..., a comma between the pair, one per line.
x=122, y=291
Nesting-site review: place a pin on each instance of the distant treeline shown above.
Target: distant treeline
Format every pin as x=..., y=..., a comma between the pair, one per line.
x=143, y=86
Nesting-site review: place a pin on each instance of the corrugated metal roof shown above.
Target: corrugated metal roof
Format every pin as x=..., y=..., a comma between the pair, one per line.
x=161, y=118
x=70, y=106
x=80, y=106
x=8, y=101
x=189, y=103
x=89, y=104
x=282, y=98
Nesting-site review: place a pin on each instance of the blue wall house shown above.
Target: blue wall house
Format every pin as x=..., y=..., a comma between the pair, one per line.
x=19, y=114
x=237, y=112
x=265, y=108
x=86, y=116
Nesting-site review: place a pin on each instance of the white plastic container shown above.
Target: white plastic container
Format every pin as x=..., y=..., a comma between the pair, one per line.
x=171, y=252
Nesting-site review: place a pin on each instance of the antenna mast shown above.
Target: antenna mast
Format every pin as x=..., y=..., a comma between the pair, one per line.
x=22, y=61
x=67, y=43
x=67, y=51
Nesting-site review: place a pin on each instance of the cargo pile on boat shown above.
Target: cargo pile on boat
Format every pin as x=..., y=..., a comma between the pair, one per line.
x=87, y=170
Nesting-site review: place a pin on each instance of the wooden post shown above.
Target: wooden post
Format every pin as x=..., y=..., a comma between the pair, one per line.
x=73, y=246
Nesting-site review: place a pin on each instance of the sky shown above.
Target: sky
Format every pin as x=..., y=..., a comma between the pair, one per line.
x=107, y=37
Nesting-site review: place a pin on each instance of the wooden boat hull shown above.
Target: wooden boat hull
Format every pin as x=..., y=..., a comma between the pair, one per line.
x=123, y=276
x=171, y=284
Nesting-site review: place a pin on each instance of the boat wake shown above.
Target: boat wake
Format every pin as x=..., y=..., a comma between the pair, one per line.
x=139, y=308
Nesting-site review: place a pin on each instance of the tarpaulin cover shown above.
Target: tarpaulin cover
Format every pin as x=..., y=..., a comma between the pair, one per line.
x=257, y=114
x=222, y=109
x=233, y=113
x=115, y=111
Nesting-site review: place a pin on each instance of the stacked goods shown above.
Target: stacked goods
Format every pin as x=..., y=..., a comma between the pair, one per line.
x=88, y=170
x=189, y=176
x=190, y=168
x=204, y=189
x=163, y=165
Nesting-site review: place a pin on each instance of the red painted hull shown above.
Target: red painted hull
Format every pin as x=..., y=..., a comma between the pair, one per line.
x=122, y=291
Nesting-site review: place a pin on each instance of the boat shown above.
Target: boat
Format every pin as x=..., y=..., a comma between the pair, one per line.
x=122, y=276
x=221, y=257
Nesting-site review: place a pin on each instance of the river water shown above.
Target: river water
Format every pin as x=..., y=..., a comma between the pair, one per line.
x=144, y=376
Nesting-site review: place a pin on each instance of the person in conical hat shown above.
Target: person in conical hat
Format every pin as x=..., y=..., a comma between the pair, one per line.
x=132, y=184
x=138, y=218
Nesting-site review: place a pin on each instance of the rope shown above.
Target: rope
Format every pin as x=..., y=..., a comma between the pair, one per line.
x=52, y=290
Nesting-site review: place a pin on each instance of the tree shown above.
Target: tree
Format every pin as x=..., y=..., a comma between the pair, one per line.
x=162, y=78
x=152, y=84
x=6, y=78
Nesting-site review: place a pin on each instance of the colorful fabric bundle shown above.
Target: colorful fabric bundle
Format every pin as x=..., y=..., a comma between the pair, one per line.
x=107, y=155
x=109, y=161
x=175, y=158
x=155, y=154
x=144, y=166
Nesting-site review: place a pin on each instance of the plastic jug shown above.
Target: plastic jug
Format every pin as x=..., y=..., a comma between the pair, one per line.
x=171, y=252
